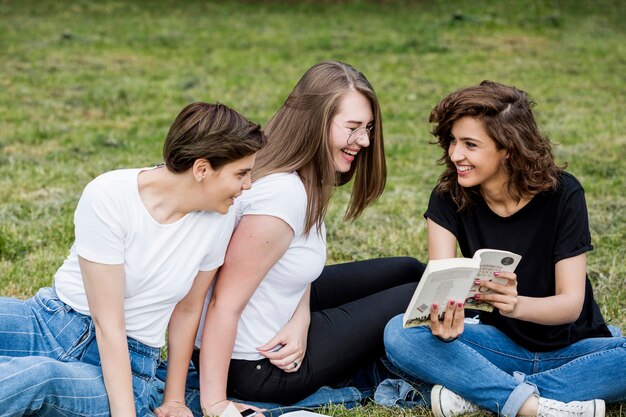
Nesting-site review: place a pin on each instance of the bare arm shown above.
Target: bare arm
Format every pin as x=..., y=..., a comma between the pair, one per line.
x=563, y=307
x=104, y=286
x=182, y=330
x=257, y=244
x=441, y=243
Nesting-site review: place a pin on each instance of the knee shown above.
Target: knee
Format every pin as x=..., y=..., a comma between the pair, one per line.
x=393, y=335
x=401, y=343
x=411, y=265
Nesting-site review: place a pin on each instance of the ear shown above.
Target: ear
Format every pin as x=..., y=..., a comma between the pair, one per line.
x=201, y=169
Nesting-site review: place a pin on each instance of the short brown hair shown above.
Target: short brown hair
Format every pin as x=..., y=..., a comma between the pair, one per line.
x=298, y=140
x=506, y=115
x=210, y=131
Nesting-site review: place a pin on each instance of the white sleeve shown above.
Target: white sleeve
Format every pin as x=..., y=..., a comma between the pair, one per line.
x=215, y=258
x=97, y=227
x=278, y=195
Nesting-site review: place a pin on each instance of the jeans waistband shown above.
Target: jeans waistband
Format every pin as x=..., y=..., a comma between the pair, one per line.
x=143, y=349
x=133, y=345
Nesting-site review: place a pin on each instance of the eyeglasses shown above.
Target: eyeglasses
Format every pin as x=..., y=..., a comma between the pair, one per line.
x=356, y=134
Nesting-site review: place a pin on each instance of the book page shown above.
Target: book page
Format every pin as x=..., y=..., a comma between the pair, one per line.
x=440, y=287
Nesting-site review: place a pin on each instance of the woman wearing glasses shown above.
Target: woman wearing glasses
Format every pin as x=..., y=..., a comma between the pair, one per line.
x=280, y=324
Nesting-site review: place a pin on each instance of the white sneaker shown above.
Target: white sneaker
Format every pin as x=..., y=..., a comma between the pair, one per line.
x=552, y=408
x=445, y=403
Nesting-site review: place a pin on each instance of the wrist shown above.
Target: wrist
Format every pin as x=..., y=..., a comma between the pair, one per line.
x=210, y=407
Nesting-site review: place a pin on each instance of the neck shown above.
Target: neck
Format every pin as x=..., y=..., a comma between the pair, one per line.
x=500, y=201
x=163, y=194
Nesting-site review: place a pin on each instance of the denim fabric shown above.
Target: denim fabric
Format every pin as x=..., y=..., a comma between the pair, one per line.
x=399, y=393
x=485, y=367
x=361, y=388
x=50, y=364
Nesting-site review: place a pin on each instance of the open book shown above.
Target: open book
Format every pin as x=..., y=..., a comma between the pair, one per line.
x=453, y=279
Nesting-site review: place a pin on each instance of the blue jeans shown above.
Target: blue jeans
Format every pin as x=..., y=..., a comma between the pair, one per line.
x=50, y=364
x=487, y=368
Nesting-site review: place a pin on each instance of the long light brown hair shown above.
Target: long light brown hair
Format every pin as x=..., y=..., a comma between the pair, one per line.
x=506, y=115
x=298, y=140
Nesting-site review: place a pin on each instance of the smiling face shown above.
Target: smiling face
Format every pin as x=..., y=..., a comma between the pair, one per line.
x=474, y=153
x=355, y=112
x=220, y=187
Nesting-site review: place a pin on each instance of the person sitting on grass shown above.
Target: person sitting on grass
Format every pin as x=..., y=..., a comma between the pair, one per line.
x=147, y=244
x=545, y=350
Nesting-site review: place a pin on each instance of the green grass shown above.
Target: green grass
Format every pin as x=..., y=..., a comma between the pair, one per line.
x=90, y=86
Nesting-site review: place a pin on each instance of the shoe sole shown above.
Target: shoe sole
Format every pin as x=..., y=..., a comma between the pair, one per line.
x=435, y=401
x=599, y=408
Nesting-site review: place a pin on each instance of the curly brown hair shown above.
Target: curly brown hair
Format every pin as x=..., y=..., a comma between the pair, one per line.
x=506, y=114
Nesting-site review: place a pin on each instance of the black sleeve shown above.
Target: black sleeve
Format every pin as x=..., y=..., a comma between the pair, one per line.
x=443, y=211
x=573, y=236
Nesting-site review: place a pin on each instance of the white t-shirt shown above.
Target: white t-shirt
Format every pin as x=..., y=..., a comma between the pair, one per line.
x=112, y=226
x=275, y=300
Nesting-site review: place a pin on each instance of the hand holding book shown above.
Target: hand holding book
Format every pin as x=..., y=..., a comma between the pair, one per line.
x=454, y=279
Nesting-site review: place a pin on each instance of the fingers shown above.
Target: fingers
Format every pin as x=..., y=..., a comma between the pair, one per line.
x=173, y=409
x=503, y=295
x=291, y=363
x=452, y=323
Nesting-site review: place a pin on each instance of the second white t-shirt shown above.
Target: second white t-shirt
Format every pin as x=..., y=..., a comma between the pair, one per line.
x=273, y=303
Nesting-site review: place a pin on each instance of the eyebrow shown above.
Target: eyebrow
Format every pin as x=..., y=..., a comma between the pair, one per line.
x=358, y=122
x=465, y=138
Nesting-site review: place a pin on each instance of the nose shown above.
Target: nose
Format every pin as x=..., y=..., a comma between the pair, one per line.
x=455, y=153
x=364, y=140
x=247, y=183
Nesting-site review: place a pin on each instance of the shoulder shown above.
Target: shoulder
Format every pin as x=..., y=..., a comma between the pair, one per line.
x=113, y=180
x=567, y=183
x=109, y=192
x=277, y=187
x=280, y=195
x=282, y=181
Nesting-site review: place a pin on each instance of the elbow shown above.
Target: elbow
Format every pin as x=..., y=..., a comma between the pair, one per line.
x=573, y=311
x=220, y=307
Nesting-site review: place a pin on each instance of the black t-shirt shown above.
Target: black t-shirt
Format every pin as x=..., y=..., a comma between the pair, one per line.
x=551, y=227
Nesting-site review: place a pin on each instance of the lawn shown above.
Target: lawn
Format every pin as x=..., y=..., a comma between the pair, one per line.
x=91, y=86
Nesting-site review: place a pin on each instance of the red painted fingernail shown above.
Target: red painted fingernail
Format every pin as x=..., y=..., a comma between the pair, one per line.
x=476, y=281
x=477, y=296
x=460, y=304
x=451, y=302
x=434, y=306
x=496, y=273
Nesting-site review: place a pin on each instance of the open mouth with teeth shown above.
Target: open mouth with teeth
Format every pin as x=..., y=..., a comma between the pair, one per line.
x=349, y=152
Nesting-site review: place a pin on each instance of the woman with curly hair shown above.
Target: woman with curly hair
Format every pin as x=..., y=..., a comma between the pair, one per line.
x=545, y=349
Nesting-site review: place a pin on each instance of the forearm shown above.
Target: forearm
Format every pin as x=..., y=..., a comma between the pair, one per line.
x=218, y=339
x=553, y=310
x=303, y=310
x=116, y=370
x=181, y=336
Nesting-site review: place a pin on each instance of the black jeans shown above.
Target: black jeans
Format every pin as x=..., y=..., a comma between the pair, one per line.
x=350, y=305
